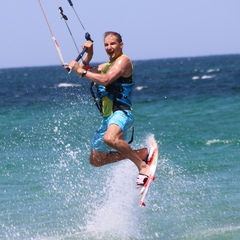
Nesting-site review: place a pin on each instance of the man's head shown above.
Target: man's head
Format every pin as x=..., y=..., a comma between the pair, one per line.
x=113, y=44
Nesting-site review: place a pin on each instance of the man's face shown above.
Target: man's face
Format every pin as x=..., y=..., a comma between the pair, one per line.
x=112, y=47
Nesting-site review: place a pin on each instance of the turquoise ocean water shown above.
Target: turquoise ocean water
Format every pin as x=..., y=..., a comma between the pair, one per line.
x=48, y=190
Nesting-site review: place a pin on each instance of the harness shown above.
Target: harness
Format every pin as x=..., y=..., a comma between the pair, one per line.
x=119, y=92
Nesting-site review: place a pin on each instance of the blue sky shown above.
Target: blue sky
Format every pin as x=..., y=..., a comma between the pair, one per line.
x=150, y=29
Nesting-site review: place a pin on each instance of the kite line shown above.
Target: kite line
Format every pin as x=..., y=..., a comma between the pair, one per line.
x=65, y=18
x=87, y=35
x=65, y=65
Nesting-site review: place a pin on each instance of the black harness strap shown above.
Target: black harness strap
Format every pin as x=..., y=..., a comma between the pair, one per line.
x=132, y=137
x=94, y=98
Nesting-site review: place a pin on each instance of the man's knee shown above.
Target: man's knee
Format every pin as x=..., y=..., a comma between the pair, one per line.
x=113, y=136
x=108, y=140
x=95, y=163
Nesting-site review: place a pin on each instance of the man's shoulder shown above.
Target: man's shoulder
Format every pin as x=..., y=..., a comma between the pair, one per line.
x=125, y=60
x=123, y=56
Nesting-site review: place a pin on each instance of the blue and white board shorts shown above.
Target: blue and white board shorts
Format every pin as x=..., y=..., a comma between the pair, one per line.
x=123, y=120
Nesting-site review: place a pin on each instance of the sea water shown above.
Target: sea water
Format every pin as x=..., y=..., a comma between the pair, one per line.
x=48, y=189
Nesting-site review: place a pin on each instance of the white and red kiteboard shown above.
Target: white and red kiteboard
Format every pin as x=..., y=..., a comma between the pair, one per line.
x=152, y=162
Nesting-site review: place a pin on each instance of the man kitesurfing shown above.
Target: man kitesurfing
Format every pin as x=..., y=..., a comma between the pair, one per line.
x=114, y=89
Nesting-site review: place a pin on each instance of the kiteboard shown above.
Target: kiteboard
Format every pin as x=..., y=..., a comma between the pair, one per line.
x=152, y=162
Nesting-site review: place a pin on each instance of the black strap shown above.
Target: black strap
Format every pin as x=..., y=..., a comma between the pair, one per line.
x=132, y=137
x=94, y=98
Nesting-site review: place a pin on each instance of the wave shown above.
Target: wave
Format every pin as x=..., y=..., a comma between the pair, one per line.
x=203, y=77
x=65, y=85
x=207, y=76
x=213, y=70
x=230, y=232
x=215, y=141
x=139, y=88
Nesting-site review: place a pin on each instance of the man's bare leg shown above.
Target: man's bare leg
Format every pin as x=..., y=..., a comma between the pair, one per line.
x=114, y=138
x=98, y=159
